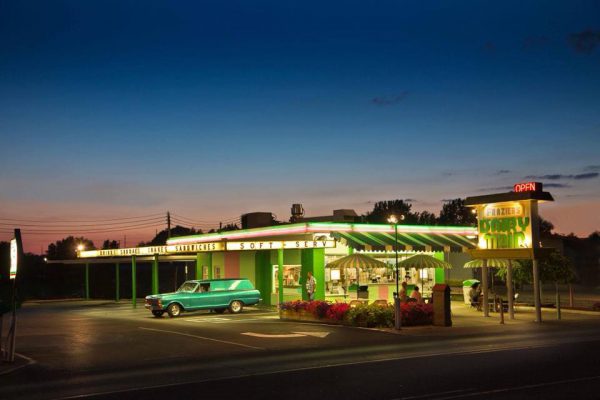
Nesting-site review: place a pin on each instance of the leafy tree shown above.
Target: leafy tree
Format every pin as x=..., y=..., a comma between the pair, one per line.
x=426, y=218
x=454, y=212
x=66, y=249
x=555, y=268
x=110, y=244
x=383, y=209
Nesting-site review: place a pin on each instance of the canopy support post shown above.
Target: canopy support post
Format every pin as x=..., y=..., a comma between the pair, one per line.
x=484, y=284
x=280, y=273
x=536, y=291
x=155, y=274
x=133, y=282
x=117, y=282
x=87, y=281
x=510, y=292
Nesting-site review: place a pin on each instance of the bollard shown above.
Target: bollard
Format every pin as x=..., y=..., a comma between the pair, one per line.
x=501, y=312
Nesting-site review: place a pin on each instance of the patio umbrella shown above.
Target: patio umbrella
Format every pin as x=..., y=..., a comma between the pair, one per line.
x=421, y=261
x=357, y=260
x=492, y=263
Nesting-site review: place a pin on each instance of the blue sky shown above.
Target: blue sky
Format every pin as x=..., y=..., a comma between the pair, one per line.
x=217, y=108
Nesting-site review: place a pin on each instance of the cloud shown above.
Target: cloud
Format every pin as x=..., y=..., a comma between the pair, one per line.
x=554, y=177
x=592, y=168
x=503, y=188
x=585, y=41
x=556, y=185
x=503, y=171
x=389, y=100
x=411, y=200
x=531, y=43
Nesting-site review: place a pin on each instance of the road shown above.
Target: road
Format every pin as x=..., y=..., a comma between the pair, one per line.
x=113, y=352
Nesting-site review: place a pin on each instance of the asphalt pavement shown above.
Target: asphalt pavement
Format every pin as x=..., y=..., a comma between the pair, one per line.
x=106, y=350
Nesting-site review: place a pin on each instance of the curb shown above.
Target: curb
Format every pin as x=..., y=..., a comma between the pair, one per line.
x=30, y=361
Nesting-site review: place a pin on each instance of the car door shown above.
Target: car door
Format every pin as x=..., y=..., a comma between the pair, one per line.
x=201, y=297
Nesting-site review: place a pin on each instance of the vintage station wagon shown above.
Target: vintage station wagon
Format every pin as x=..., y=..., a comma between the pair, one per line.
x=214, y=294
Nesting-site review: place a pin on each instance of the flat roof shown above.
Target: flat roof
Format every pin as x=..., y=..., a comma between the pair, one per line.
x=508, y=196
x=322, y=227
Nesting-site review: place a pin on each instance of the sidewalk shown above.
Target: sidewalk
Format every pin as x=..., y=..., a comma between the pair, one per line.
x=467, y=320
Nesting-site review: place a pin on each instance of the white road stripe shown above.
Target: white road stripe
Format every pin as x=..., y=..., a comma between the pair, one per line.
x=275, y=335
x=202, y=337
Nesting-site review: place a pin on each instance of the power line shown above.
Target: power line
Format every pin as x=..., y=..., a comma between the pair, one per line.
x=115, y=224
x=200, y=221
x=84, y=231
x=78, y=221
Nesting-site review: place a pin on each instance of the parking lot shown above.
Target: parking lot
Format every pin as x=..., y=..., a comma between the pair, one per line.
x=88, y=347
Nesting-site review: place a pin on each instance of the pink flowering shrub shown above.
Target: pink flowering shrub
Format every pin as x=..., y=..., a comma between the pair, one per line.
x=364, y=315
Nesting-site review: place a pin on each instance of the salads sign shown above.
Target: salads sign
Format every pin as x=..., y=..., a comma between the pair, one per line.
x=505, y=225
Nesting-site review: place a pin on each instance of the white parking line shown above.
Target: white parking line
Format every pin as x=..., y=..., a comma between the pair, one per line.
x=202, y=337
x=220, y=320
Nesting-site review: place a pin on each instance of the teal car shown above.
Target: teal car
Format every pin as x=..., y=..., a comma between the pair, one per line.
x=213, y=294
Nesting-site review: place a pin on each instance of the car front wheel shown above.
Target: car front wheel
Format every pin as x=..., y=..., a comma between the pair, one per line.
x=158, y=313
x=236, y=306
x=174, y=310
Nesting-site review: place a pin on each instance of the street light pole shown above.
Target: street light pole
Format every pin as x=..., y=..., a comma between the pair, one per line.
x=397, y=310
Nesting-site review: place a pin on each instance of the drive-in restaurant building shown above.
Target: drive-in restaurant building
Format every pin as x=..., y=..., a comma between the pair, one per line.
x=259, y=254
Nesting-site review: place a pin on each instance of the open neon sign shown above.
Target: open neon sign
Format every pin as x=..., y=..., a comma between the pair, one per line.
x=527, y=187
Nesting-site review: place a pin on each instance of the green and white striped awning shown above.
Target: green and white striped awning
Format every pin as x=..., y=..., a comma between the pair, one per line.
x=491, y=262
x=383, y=241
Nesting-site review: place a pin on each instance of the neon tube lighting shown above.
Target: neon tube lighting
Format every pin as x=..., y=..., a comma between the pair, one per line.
x=319, y=227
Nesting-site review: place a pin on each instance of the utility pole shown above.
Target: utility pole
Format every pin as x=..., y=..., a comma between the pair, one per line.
x=168, y=225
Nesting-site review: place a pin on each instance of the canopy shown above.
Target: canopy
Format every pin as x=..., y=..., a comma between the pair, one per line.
x=357, y=260
x=491, y=262
x=406, y=241
x=420, y=261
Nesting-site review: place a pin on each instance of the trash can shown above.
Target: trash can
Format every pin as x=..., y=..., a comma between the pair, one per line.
x=467, y=285
x=363, y=292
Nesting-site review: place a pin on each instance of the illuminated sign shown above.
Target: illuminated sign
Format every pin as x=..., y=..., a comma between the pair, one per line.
x=152, y=250
x=494, y=210
x=527, y=187
x=14, y=257
x=212, y=246
x=504, y=225
x=272, y=245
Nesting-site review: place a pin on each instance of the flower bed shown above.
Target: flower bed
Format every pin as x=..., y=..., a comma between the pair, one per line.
x=362, y=315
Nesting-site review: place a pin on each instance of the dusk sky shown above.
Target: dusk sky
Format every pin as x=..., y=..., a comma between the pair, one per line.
x=119, y=109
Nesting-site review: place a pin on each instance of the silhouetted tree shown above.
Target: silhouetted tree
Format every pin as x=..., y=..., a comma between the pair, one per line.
x=426, y=218
x=454, y=212
x=546, y=227
x=383, y=209
x=110, y=244
x=66, y=249
x=229, y=227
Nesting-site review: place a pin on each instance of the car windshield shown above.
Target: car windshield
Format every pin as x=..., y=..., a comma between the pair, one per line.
x=187, y=287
